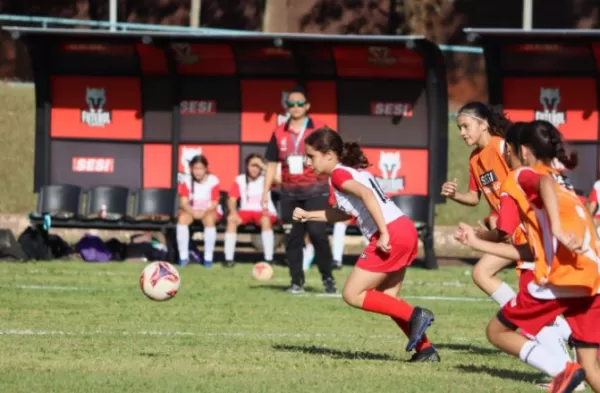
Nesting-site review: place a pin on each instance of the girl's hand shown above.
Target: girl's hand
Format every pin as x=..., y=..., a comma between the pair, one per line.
x=449, y=189
x=300, y=215
x=571, y=242
x=383, y=243
x=466, y=234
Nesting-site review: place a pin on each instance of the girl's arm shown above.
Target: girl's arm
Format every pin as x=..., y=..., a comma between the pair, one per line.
x=184, y=204
x=469, y=198
x=466, y=235
x=331, y=215
x=368, y=197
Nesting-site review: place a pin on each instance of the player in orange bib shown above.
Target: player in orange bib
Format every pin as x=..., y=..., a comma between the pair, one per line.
x=561, y=240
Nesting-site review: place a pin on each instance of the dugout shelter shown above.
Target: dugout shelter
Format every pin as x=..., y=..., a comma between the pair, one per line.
x=551, y=75
x=130, y=109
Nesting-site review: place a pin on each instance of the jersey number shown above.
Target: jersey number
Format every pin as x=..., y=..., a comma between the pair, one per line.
x=378, y=191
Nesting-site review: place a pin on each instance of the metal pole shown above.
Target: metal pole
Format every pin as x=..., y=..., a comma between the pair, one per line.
x=527, y=14
x=195, y=9
x=113, y=14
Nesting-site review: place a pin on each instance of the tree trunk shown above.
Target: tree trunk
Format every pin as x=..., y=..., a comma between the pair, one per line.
x=275, y=18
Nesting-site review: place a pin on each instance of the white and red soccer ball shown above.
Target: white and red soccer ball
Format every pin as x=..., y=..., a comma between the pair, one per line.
x=160, y=281
x=262, y=271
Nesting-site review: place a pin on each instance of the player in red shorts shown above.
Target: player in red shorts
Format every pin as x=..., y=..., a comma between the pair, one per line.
x=247, y=189
x=199, y=195
x=565, y=278
x=375, y=281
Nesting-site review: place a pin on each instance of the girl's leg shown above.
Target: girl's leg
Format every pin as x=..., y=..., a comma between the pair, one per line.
x=230, y=240
x=360, y=292
x=587, y=357
x=210, y=237
x=267, y=237
x=339, y=235
x=391, y=286
x=484, y=276
x=183, y=237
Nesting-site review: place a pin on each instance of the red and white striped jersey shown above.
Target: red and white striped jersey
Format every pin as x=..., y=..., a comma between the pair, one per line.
x=354, y=206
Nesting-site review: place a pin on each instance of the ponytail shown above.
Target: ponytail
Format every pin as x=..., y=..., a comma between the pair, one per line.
x=546, y=143
x=353, y=156
x=569, y=159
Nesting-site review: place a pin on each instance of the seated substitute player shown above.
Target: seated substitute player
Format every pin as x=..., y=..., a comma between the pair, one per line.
x=199, y=196
x=375, y=281
x=248, y=190
x=563, y=244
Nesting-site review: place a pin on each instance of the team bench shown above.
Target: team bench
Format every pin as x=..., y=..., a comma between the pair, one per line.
x=155, y=209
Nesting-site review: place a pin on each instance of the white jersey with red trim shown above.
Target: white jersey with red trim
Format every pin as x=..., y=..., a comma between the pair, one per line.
x=354, y=206
x=249, y=193
x=201, y=195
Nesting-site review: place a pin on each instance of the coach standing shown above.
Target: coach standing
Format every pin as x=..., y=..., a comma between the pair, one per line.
x=300, y=187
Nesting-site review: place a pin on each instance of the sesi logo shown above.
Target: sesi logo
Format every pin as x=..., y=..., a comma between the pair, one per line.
x=198, y=107
x=391, y=109
x=93, y=164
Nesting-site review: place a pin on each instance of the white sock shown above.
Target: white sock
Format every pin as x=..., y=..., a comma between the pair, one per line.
x=183, y=241
x=339, y=235
x=308, y=255
x=503, y=294
x=366, y=241
x=563, y=327
x=230, y=240
x=268, y=243
x=210, y=238
x=537, y=356
x=550, y=338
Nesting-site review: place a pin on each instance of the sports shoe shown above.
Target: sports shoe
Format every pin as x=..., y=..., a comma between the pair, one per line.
x=545, y=385
x=420, y=320
x=295, y=289
x=228, y=264
x=329, y=285
x=568, y=380
x=427, y=355
x=183, y=262
x=337, y=265
x=207, y=264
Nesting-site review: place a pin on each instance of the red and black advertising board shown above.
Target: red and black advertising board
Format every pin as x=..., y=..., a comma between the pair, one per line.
x=131, y=109
x=549, y=75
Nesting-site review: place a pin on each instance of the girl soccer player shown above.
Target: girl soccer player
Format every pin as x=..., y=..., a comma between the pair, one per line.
x=482, y=127
x=199, y=196
x=375, y=281
x=248, y=190
x=565, y=277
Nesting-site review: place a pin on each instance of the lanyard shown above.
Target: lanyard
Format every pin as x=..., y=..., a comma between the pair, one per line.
x=297, y=140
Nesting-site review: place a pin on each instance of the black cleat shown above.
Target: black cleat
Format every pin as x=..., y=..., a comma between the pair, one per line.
x=228, y=264
x=420, y=320
x=427, y=355
x=329, y=285
x=295, y=289
x=337, y=265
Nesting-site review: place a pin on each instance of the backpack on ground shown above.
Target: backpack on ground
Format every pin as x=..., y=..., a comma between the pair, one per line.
x=35, y=244
x=10, y=249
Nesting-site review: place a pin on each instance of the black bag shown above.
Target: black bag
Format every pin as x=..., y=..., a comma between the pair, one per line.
x=35, y=244
x=59, y=248
x=10, y=249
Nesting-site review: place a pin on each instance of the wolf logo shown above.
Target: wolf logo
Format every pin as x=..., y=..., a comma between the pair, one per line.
x=550, y=98
x=284, y=116
x=389, y=165
x=95, y=116
x=380, y=55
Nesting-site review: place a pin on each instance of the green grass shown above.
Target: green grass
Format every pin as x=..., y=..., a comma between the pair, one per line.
x=77, y=327
x=17, y=122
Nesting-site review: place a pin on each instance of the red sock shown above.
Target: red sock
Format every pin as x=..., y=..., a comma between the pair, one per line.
x=423, y=344
x=380, y=303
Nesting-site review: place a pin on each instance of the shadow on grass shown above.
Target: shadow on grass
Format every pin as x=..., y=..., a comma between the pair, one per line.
x=334, y=353
x=473, y=349
x=519, y=376
x=283, y=287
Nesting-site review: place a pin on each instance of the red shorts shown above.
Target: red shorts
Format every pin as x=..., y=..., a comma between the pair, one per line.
x=249, y=216
x=531, y=314
x=404, y=241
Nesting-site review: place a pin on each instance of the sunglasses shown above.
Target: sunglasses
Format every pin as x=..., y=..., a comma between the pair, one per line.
x=299, y=104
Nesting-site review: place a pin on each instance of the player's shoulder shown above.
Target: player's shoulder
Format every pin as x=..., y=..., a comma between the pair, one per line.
x=596, y=185
x=212, y=179
x=241, y=178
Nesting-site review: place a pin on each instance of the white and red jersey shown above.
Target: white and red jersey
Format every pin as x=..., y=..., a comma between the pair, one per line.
x=250, y=192
x=595, y=197
x=354, y=206
x=201, y=194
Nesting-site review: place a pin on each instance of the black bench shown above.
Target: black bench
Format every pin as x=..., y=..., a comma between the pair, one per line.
x=155, y=209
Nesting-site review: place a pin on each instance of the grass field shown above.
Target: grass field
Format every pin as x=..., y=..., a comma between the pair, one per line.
x=17, y=121
x=77, y=327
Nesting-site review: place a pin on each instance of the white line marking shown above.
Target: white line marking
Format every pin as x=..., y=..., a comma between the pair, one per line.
x=442, y=298
x=456, y=284
x=54, y=288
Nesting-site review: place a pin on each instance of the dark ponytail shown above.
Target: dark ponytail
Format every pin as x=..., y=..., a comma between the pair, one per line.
x=497, y=121
x=547, y=143
x=349, y=153
x=353, y=156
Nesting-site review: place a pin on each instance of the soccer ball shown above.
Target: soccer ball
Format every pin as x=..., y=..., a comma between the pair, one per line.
x=160, y=281
x=262, y=271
